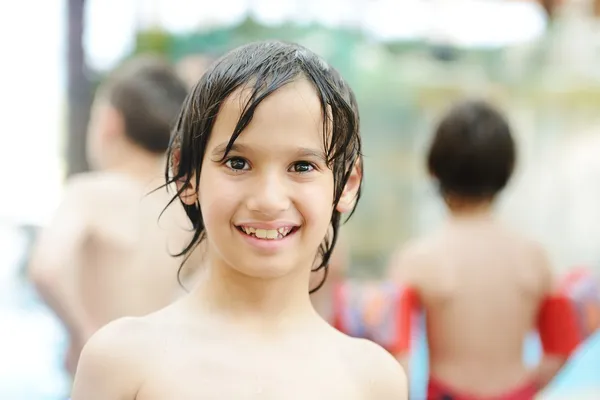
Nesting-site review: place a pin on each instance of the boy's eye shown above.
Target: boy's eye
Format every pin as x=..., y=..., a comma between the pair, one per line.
x=237, y=163
x=302, y=167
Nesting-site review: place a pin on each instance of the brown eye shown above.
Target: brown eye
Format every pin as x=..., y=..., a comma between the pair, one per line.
x=237, y=164
x=302, y=167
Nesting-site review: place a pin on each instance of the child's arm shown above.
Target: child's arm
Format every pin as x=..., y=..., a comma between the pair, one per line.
x=547, y=369
x=55, y=261
x=409, y=307
x=552, y=325
x=555, y=329
x=403, y=270
x=108, y=369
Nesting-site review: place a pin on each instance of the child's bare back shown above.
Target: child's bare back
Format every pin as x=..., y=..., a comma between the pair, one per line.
x=106, y=254
x=129, y=250
x=481, y=286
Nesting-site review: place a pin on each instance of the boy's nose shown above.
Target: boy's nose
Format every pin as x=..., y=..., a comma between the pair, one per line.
x=269, y=195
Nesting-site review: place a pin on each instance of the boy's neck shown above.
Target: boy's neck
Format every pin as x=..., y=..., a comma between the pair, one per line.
x=137, y=163
x=276, y=304
x=468, y=208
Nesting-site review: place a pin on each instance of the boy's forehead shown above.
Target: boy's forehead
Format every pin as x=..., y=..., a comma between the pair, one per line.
x=290, y=117
x=298, y=93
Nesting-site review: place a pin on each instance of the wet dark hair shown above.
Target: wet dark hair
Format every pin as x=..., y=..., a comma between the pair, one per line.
x=472, y=154
x=264, y=67
x=148, y=94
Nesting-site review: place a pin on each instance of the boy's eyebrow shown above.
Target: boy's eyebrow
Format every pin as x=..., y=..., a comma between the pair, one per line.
x=307, y=152
x=219, y=151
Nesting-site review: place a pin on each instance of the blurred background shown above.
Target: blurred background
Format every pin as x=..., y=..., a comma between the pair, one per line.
x=407, y=60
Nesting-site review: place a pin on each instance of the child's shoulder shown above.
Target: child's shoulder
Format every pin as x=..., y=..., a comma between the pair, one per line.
x=113, y=360
x=528, y=247
x=411, y=259
x=421, y=246
x=123, y=339
x=137, y=332
x=100, y=181
x=542, y=265
x=90, y=179
x=115, y=193
x=135, y=337
x=92, y=186
x=381, y=373
x=117, y=359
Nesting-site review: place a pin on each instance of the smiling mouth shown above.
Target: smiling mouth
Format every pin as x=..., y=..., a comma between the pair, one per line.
x=268, y=234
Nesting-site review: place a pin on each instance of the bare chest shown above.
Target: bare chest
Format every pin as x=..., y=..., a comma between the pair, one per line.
x=228, y=378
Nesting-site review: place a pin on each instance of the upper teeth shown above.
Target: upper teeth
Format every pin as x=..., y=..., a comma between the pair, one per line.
x=267, y=233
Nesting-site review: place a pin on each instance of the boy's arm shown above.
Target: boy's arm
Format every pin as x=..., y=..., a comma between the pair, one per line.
x=403, y=270
x=106, y=368
x=551, y=363
x=55, y=260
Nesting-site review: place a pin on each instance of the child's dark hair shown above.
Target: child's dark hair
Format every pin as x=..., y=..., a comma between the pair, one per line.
x=265, y=67
x=472, y=154
x=148, y=94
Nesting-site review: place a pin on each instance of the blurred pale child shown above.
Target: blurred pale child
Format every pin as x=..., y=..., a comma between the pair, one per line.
x=482, y=285
x=106, y=254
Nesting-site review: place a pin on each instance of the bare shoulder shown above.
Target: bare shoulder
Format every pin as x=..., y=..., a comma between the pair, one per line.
x=79, y=189
x=530, y=259
x=88, y=189
x=381, y=373
x=71, y=222
x=408, y=260
x=86, y=182
x=542, y=264
x=101, y=182
x=537, y=261
x=112, y=361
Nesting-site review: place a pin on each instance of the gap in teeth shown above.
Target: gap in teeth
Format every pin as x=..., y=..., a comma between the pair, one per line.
x=269, y=234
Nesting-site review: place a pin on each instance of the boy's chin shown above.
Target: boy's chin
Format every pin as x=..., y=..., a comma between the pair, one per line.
x=268, y=269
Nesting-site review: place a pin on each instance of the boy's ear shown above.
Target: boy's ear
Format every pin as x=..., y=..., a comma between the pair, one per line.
x=350, y=193
x=188, y=192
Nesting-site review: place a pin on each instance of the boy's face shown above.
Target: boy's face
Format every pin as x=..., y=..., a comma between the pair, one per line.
x=268, y=206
